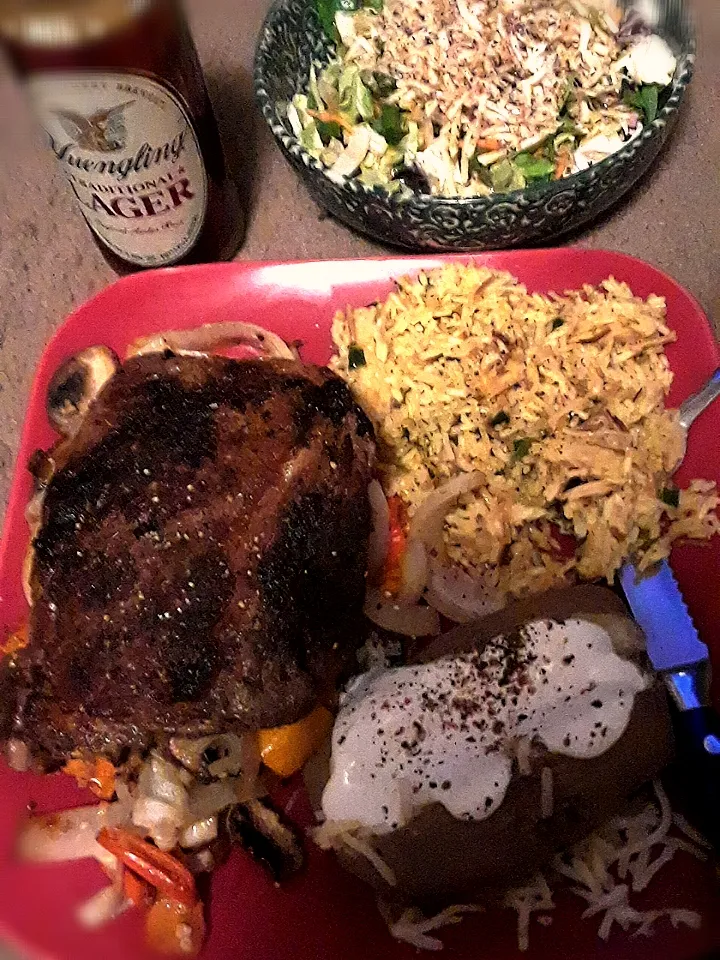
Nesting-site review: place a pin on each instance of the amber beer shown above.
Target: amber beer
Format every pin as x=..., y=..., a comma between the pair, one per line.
x=118, y=88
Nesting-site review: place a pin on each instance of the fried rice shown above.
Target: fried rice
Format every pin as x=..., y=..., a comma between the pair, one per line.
x=558, y=401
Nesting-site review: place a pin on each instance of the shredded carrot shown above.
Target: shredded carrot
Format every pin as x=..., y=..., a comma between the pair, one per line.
x=97, y=775
x=326, y=116
x=175, y=928
x=561, y=164
x=16, y=641
x=392, y=578
x=170, y=878
x=489, y=144
x=284, y=750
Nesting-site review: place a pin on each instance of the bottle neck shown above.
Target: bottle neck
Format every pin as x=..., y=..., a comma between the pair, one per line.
x=39, y=25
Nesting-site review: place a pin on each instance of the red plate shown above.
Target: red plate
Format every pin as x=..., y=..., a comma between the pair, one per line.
x=326, y=914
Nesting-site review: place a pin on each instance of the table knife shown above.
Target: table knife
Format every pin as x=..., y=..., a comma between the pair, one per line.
x=681, y=658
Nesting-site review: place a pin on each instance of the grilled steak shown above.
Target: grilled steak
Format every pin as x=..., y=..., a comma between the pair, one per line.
x=200, y=565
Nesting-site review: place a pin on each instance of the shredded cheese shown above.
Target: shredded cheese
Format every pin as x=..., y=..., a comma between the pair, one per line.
x=362, y=846
x=621, y=858
x=351, y=835
x=413, y=927
x=690, y=832
x=524, y=747
x=626, y=848
x=528, y=900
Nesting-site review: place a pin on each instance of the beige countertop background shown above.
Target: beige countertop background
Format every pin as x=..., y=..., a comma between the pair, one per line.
x=49, y=264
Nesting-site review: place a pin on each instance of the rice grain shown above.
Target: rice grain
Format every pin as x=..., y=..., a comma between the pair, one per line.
x=556, y=401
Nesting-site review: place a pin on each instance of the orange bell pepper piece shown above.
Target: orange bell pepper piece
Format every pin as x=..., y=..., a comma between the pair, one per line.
x=285, y=750
x=16, y=641
x=175, y=928
x=97, y=775
x=168, y=876
x=392, y=577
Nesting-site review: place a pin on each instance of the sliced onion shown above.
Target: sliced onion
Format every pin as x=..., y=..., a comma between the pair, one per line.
x=17, y=755
x=316, y=774
x=164, y=781
x=214, y=337
x=236, y=754
x=199, y=834
x=459, y=597
x=27, y=573
x=200, y=861
x=208, y=800
x=410, y=620
x=70, y=835
x=33, y=517
x=414, y=572
x=162, y=802
x=75, y=385
x=106, y=905
x=160, y=820
x=122, y=792
x=188, y=751
x=427, y=523
x=380, y=535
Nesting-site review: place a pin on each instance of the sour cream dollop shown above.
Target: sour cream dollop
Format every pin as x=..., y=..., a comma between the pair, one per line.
x=444, y=731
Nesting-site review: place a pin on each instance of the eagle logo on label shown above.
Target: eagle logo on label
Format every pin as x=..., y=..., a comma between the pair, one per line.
x=103, y=131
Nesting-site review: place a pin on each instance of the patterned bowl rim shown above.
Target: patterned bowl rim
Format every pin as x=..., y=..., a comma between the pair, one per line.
x=353, y=187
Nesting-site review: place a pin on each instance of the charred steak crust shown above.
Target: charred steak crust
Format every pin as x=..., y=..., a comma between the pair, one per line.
x=201, y=561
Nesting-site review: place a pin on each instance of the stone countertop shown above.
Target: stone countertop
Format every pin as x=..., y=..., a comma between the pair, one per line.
x=49, y=263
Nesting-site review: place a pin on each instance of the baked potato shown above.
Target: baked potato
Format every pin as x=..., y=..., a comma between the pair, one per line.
x=552, y=799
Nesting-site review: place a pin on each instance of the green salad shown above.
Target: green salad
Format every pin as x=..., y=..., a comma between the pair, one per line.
x=460, y=98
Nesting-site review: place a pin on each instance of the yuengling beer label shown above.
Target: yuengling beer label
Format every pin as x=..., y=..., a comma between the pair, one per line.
x=130, y=153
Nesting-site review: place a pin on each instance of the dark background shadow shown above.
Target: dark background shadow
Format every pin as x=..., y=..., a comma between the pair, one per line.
x=239, y=122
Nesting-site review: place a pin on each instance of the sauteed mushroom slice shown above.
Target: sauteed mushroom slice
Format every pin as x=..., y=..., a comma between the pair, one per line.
x=75, y=385
x=268, y=836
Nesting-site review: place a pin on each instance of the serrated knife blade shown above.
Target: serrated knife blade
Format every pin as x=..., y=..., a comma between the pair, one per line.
x=682, y=659
x=659, y=608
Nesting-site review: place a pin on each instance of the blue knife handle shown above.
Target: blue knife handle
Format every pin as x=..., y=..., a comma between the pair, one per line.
x=697, y=733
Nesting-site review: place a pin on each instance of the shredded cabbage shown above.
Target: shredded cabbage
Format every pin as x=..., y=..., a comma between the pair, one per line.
x=420, y=141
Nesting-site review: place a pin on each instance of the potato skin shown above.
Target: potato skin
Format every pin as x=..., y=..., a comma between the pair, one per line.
x=439, y=859
x=595, y=604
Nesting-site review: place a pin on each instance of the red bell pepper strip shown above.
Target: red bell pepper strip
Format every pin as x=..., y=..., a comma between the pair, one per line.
x=393, y=573
x=162, y=871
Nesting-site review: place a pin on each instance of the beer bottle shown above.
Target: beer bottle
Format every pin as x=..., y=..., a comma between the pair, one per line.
x=118, y=88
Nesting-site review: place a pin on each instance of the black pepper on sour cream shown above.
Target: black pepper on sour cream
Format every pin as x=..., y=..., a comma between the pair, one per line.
x=443, y=732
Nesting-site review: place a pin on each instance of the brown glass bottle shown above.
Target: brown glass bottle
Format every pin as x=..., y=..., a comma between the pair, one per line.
x=118, y=87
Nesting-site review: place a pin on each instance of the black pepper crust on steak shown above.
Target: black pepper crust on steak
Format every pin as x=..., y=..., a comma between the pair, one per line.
x=201, y=561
